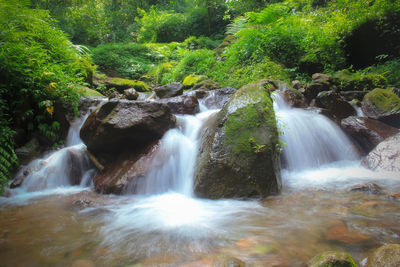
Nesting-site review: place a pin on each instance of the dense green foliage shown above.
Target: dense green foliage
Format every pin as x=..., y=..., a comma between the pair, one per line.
x=39, y=69
x=124, y=60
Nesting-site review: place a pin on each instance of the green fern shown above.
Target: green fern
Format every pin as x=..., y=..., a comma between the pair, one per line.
x=236, y=26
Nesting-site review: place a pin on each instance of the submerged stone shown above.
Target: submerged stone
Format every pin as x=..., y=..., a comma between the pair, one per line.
x=238, y=154
x=332, y=259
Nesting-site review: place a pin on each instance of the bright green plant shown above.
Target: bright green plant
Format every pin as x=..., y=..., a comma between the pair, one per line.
x=194, y=62
x=39, y=69
x=125, y=60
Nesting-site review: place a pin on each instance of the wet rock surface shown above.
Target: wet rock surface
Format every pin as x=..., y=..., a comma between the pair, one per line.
x=181, y=104
x=294, y=97
x=218, y=98
x=369, y=188
x=337, y=107
x=366, y=132
x=169, y=90
x=120, y=172
x=131, y=94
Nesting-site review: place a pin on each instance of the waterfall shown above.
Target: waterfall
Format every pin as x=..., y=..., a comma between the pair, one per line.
x=310, y=140
x=179, y=146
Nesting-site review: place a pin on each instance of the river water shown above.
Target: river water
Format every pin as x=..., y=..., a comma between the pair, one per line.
x=163, y=224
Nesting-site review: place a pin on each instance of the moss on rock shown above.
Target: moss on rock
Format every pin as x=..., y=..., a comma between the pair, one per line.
x=89, y=93
x=239, y=155
x=243, y=128
x=384, y=100
x=383, y=105
x=192, y=80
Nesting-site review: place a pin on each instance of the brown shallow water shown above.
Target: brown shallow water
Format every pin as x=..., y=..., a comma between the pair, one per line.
x=284, y=230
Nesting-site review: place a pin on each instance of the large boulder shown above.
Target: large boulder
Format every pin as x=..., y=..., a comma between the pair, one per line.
x=383, y=105
x=385, y=256
x=121, y=125
x=218, y=98
x=183, y=104
x=238, y=154
x=332, y=259
x=367, y=133
x=385, y=156
x=337, y=107
x=169, y=90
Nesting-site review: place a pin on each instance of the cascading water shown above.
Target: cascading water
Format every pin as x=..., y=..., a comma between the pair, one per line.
x=311, y=140
x=62, y=168
x=180, y=147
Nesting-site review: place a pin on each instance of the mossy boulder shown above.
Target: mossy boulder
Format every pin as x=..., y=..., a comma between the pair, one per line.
x=385, y=256
x=332, y=259
x=383, y=105
x=238, y=154
x=192, y=80
x=121, y=84
x=206, y=85
x=89, y=93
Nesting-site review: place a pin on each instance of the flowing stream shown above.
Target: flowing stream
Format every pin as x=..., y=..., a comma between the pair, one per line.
x=49, y=223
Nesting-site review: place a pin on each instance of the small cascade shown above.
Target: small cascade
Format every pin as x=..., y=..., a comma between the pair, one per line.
x=65, y=167
x=74, y=129
x=180, y=147
x=311, y=140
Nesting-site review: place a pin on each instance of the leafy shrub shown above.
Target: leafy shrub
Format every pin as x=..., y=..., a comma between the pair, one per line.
x=390, y=70
x=202, y=42
x=228, y=73
x=124, y=60
x=363, y=80
x=156, y=73
x=39, y=68
x=194, y=62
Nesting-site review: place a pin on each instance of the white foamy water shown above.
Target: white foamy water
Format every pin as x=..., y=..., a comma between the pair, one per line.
x=179, y=146
x=55, y=169
x=311, y=140
x=172, y=222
